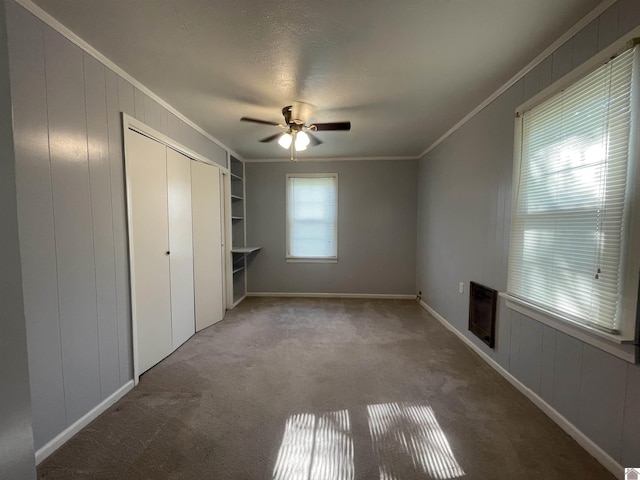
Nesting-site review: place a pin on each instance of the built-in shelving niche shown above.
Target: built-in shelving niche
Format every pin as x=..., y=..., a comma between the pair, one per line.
x=240, y=253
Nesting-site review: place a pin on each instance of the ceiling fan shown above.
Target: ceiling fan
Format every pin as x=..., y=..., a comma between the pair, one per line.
x=296, y=135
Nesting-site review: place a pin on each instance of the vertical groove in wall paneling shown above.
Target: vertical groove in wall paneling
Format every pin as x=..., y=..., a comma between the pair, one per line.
x=36, y=222
x=118, y=209
x=74, y=231
x=101, y=195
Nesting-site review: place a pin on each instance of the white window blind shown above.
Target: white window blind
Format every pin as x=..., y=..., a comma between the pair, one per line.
x=312, y=216
x=572, y=199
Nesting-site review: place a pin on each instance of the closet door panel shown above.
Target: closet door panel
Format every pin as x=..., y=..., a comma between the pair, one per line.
x=149, y=244
x=181, y=247
x=207, y=244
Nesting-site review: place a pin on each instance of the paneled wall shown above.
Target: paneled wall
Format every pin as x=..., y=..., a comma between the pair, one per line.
x=376, y=229
x=464, y=211
x=16, y=438
x=71, y=211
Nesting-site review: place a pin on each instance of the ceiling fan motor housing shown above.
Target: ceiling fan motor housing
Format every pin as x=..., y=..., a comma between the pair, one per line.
x=286, y=111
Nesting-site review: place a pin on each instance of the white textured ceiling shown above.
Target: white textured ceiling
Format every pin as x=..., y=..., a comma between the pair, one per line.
x=403, y=72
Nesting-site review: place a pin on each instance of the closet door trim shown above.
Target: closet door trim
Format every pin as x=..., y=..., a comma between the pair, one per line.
x=130, y=123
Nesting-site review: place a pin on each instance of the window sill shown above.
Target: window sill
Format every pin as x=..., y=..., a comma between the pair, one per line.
x=617, y=345
x=311, y=259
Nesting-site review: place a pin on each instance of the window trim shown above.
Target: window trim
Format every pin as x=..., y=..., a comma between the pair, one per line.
x=623, y=345
x=295, y=259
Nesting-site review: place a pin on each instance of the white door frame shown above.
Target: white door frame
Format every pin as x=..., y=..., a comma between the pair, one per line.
x=228, y=284
x=226, y=238
x=131, y=125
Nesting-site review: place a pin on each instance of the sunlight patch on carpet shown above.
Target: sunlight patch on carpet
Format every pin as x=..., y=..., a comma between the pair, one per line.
x=408, y=437
x=316, y=447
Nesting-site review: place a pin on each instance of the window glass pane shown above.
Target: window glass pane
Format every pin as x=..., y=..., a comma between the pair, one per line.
x=569, y=218
x=312, y=216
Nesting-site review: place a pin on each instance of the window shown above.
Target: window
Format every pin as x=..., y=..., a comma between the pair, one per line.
x=570, y=252
x=312, y=217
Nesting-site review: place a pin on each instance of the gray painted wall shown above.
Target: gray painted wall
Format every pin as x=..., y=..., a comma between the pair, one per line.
x=463, y=234
x=71, y=213
x=16, y=437
x=376, y=229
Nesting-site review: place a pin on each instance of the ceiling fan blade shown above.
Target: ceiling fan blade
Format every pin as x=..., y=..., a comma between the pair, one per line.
x=256, y=120
x=331, y=126
x=271, y=138
x=315, y=141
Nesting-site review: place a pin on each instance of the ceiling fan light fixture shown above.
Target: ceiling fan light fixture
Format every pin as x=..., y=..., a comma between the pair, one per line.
x=292, y=136
x=285, y=140
x=302, y=141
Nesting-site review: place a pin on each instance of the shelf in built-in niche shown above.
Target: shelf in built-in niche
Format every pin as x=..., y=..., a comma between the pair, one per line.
x=236, y=219
x=236, y=177
x=245, y=250
x=240, y=257
x=235, y=198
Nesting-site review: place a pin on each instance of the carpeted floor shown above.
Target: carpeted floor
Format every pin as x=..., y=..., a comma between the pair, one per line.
x=293, y=389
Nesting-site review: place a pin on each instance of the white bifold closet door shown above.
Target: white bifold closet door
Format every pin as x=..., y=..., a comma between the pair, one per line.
x=208, y=245
x=181, y=247
x=176, y=247
x=149, y=244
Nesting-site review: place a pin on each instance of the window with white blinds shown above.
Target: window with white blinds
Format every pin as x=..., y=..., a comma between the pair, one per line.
x=312, y=216
x=569, y=230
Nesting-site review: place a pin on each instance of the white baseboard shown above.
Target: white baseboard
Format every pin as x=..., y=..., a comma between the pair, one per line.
x=383, y=296
x=70, y=431
x=585, y=442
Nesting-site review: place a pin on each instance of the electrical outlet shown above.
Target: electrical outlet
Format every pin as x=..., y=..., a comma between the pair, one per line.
x=461, y=287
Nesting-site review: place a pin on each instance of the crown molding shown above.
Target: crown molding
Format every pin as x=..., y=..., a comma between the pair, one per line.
x=586, y=20
x=71, y=36
x=326, y=159
x=86, y=47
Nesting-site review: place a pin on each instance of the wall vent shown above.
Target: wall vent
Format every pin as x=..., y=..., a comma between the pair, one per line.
x=482, y=312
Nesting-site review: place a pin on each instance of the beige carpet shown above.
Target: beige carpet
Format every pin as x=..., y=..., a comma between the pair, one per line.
x=293, y=389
